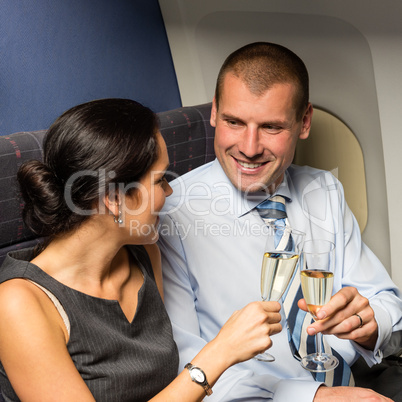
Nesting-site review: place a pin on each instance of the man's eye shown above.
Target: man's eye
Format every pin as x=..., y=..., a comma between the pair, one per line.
x=272, y=129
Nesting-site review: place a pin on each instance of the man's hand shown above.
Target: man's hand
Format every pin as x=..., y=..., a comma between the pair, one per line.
x=348, y=394
x=340, y=317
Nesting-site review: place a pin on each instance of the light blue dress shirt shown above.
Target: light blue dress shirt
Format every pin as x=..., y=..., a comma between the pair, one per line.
x=211, y=240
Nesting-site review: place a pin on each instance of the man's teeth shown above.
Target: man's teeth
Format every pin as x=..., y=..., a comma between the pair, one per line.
x=250, y=165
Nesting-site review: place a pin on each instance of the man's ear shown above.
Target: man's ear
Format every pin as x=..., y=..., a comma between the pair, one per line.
x=212, y=120
x=307, y=118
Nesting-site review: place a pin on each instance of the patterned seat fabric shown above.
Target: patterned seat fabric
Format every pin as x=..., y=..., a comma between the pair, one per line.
x=188, y=135
x=14, y=150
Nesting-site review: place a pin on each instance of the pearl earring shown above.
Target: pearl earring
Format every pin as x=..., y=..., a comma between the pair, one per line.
x=118, y=219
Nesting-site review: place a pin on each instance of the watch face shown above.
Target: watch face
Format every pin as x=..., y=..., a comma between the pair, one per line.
x=198, y=375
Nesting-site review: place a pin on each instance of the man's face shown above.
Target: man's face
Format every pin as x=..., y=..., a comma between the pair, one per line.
x=256, y=136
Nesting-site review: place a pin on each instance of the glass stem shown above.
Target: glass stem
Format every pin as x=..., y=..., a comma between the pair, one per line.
x=318, y=341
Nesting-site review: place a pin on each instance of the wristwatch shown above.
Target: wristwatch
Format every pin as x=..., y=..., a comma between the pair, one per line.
x=199, y=377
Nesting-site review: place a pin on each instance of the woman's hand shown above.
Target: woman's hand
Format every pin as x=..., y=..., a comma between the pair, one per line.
x=248, y=331
x=245, y=334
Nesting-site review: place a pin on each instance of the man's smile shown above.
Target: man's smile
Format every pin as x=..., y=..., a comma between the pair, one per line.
x=249, y=166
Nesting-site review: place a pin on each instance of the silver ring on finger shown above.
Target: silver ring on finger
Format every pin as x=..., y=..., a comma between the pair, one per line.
x=361, y=321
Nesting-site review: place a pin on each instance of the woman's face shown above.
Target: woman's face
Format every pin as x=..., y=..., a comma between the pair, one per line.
x=141, y=208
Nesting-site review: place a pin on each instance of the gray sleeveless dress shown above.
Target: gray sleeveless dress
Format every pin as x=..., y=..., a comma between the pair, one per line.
x=118, y=360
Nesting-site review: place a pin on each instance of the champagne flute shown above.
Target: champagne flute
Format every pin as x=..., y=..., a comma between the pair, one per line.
x=317, y=278
x=281, y=253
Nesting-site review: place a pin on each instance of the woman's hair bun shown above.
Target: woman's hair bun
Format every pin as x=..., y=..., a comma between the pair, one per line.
x=88, y=150
x=43, y=198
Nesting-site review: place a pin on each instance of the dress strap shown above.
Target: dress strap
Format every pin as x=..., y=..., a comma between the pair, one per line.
x=57, y=304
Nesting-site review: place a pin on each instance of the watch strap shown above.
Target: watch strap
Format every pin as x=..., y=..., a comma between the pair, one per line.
x=204, y=384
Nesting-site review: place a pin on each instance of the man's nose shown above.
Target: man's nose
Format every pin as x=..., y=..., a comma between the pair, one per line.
x=250, y=145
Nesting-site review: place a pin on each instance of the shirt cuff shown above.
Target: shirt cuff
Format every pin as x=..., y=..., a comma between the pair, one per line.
x=295, y=390
x=375, y=356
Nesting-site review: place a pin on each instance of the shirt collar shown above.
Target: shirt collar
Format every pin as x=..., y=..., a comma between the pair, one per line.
x=246, y=202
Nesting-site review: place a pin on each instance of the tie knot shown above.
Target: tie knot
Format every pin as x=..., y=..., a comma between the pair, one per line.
x=273, y=208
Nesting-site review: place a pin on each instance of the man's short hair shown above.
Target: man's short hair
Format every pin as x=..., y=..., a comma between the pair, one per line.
x=260, y=65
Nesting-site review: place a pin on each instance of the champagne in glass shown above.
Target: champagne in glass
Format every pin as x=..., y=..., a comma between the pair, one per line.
x=281, y=254
x=276, y=272
x=317, y=288
x=317, y=279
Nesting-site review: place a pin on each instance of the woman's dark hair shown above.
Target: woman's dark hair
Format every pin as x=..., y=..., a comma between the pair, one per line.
x=87, y=151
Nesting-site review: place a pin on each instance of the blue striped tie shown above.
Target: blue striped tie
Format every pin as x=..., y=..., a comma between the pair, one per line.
x=273, y=211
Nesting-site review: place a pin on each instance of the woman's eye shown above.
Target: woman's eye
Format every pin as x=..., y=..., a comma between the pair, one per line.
x=162, y=180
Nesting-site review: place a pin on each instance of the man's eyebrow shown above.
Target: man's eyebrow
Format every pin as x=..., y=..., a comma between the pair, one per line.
x=226, y=116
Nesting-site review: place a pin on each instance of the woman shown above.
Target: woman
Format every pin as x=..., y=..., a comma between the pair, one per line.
x=83, y=318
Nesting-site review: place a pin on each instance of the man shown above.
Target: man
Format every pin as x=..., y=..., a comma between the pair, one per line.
x=212, y=235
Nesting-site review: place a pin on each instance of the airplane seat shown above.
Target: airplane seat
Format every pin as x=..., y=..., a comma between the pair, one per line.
x=189, y=137
x=15, y=149
x=332, y=146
